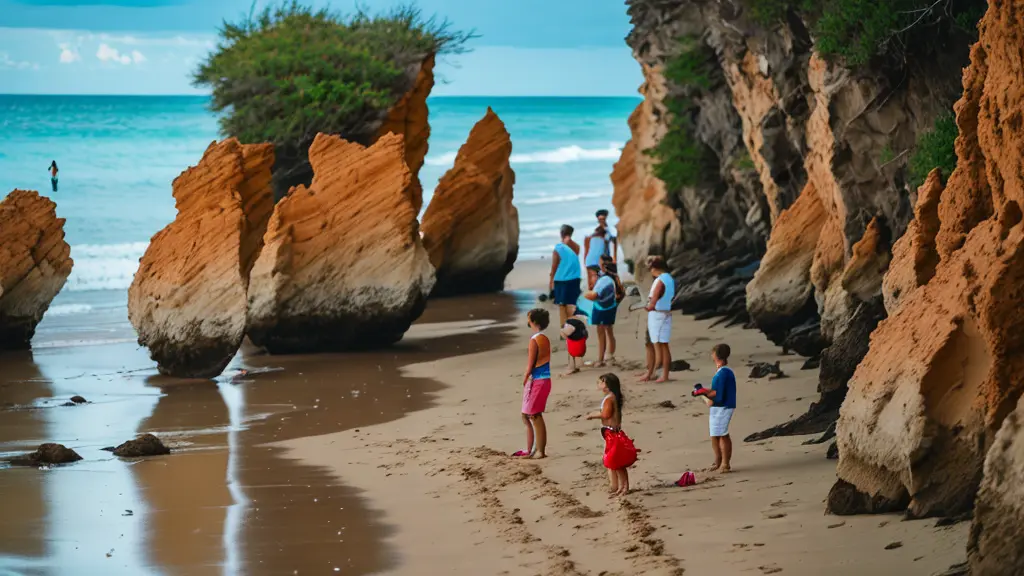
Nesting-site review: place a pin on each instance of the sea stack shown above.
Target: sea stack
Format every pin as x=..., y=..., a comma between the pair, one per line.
x=35, y=262
x=471, y=228
x=188, y=299
x=342, y=266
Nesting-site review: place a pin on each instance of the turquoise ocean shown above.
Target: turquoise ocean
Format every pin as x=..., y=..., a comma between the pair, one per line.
x=118, y=155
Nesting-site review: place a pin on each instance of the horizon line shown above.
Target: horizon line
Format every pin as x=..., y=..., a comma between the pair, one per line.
x=90, y=94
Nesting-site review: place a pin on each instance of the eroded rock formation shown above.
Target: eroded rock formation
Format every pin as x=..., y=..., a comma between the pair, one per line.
x=802, y=144
x=342, y=264
x=408, y=118
x=943, y=371
x=35, y=261
x=471, y=228
x=188, y=298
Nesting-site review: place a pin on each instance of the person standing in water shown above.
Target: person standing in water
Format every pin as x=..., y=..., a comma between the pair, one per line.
x=565, y=273
x=594, y=247
x=659, y=319
x=53, y=175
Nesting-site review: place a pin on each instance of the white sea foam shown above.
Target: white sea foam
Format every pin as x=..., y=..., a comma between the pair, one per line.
x=104, y=266
x=564, y=198
x=562, y=155
x=68, y=309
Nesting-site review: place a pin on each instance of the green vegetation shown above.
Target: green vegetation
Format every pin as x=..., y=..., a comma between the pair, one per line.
x=934, y=150
x=858, y=30
x=679, y=156
x=288, y=72
x=744, y=161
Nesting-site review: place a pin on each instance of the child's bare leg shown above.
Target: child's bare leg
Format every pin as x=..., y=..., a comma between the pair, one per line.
x=529, y=433
x=623, y=481
x=613, y=479
x=570, y=368
x=541, y=431
x=651, y=363
x=609, y=331
x=563, y=315
x=601, y=342
x=726, y=447
x=665, y=358
x=718, y=454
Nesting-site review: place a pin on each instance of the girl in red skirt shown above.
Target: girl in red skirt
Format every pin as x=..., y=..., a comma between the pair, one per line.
x=619, y=452
x=575, y=332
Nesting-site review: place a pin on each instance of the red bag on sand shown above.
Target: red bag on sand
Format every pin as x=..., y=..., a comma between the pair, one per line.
x=619, y=451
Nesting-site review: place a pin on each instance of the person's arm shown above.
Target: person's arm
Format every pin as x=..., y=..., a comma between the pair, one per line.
x=590, y=295
x=531, y=360
x=567, y=330
x=605, y=413
x=659, y=291
x=586, y=247
x=716, y=387
x=555, y=261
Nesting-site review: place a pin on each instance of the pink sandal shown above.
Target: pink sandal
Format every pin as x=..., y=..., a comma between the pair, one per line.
x=521, y=454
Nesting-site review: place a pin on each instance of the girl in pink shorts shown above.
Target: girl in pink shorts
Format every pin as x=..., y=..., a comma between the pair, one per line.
x=536, y=386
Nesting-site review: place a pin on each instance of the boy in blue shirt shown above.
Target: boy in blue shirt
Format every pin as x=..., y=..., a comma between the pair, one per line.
x=722, y=397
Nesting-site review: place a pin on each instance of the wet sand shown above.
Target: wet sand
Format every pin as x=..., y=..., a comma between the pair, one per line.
x=459, y=505
x=226, y=501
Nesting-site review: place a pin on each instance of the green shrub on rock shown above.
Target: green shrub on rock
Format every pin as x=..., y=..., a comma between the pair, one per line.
x=934, y=150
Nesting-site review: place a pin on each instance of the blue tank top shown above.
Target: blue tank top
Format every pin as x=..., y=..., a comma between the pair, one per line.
x=598, y=247
x=605, y=288
x=664, y=304
x=568, y=264
x=541, y=371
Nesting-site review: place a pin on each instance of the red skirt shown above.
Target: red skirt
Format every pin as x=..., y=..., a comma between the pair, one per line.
x=577, y=348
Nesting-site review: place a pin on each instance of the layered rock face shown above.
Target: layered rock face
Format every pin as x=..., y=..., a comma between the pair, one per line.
x=809, y=190
x=188, y=299
x=943, y=371
x=35, y=262
x=408, y=118
x=342, y=265
x=471, y=228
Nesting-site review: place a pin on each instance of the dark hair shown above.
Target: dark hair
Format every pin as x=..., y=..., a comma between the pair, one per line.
x=53, y=164
x=722, y=351
x=612, y=382
x=609, y=265
x=601, y=212
x=566, y=230
x=599, y=231
x=539, y=316
x=656, y=262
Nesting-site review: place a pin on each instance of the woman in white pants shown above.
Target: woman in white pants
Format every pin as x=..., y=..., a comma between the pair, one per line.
x=659, y=319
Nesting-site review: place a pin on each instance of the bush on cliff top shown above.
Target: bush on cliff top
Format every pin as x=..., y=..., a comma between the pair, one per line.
x=290, y=71
x=934, y=150
x=858, y=30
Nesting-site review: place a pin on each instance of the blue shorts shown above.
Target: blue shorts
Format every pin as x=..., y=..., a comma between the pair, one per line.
x=604, y=317
x=567, y=292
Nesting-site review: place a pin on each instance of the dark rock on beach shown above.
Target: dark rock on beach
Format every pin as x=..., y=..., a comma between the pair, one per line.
x=145, y=445
x=49, y=453
x=679, y=366
x=78, y=400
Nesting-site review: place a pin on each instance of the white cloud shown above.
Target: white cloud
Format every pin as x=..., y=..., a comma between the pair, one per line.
x=106, y=53
x=137, y=57
x=7, y=62
x=68, y=54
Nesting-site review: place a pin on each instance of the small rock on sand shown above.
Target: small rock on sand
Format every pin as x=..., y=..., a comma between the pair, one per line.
x=894, y=545
x=49, y=453
x=679, y=366
x=78, y=400
x=666, y=404
x=762, y=369
x=145, y=445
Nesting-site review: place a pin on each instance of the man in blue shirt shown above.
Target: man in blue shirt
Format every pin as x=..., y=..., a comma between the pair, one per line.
x=722, y=396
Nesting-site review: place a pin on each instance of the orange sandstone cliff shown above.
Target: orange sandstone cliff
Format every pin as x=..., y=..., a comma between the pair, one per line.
x=342, y=264
x=944, y=370
x=35, y=262
x=188, y=299
x=471, y=229
x=409, y=118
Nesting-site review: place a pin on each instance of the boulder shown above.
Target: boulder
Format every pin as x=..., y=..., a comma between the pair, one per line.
x=144, y=445
x=35, y=261
x=342, y=265
x=49, y=453
x=943, y=371
x=995, y=545
x=188, y=298
x=471, y=228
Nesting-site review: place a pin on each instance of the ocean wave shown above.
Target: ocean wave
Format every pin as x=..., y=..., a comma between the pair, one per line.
x=68, y=309
x=562, y=155
x=104, y=266
x=564, y=198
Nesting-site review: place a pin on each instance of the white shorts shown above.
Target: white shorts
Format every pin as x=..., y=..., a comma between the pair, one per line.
x=719, y=420
x=659, y=326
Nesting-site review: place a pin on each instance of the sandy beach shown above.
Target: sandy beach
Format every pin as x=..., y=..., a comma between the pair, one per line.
x=456, y=504
x=395, y=461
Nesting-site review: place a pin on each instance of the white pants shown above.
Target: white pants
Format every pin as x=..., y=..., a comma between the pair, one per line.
x=719, y=420
x=659, y=326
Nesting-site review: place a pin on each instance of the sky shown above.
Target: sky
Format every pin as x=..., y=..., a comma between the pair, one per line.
x=524, y=48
